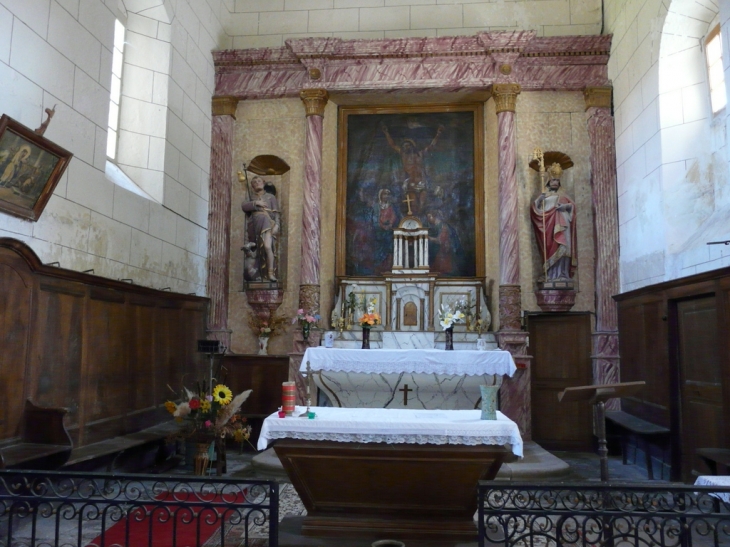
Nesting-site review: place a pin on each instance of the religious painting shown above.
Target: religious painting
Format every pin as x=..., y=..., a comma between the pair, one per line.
x=418, y=161
x=30, y=168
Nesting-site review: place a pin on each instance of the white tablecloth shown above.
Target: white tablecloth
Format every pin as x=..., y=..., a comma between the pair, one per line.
x=394, y=361
x=716, y=480
x=393, y=426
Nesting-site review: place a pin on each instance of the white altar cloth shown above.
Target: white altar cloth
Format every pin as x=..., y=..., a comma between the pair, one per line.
x=715, y=480
x=421, y=361
x=393, y=426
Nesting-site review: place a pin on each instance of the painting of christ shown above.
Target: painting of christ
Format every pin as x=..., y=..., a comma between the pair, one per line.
x=408, y=161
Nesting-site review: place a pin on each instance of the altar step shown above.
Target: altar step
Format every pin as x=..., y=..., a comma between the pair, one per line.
x=537, y=464
x=380, y=339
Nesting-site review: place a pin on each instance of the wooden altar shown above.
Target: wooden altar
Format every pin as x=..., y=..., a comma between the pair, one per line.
x=416, y=479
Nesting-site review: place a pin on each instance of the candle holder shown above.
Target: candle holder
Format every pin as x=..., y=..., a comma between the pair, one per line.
x=305, y=414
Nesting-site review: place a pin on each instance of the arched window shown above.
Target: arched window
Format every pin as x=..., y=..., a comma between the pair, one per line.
x=115, y=94
x=715, y=72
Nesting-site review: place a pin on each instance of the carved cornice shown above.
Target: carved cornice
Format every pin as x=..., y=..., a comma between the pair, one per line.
x=415, y=65
x=505, y=96
x=314, y=101
x=225, y=106
x=599, y=97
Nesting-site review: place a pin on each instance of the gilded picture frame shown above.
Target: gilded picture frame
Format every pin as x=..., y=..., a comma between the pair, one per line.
x=428, y=158
x=30, y=168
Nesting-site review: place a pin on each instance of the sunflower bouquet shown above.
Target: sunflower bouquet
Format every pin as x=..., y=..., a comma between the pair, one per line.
x=213, y=413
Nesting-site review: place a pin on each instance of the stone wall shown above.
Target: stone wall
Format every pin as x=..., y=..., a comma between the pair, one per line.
x=268, y=23
x=59, y=53
x=671, y=154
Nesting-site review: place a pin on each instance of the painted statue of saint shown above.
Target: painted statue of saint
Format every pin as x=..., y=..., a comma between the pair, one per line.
x=553, y=218
x=262, y=225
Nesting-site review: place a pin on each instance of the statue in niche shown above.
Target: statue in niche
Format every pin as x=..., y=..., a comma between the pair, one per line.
x=553, y=219
x=262, y=228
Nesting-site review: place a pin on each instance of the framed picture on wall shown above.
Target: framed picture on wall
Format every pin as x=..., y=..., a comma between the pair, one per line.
x=30, y=168
x=426, y=160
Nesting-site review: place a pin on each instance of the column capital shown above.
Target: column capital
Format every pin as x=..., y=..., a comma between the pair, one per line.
x=598, y=96
x=314, y=101
x=505, y=96
x=225, y=106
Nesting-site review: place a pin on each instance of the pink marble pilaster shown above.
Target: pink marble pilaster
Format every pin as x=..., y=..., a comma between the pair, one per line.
x=314, y=102
x=505, y=96
x=219, y=217
x=515, y=391
x=606, y=364
x=514, y=395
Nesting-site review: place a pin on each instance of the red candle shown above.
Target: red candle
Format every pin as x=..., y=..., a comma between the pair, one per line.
x=288, y=397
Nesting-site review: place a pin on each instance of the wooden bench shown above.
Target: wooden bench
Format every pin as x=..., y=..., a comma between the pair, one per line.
x=44, y=442
x=641, y=429
x=714, y=456
x=114, y=449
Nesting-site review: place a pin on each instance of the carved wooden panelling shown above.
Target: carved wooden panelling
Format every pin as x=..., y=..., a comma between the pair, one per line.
x=15, y=302
x=105, y=349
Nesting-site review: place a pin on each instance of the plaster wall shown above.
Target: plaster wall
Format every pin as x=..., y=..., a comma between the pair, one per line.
x=59, y=53
x=268, y=23
x=671, y=150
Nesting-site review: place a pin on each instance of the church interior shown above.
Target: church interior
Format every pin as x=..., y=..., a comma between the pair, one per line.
x=197, y=184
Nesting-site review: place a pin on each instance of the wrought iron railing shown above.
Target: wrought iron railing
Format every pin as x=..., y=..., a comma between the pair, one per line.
x=44, y=509
x=606, y=515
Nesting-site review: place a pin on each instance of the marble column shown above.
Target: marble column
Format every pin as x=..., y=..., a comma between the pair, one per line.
x=219, y=217
x=602, y=137
x=515, y=391
x=314, y=102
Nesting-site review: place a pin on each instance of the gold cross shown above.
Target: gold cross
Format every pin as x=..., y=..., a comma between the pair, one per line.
x=408, y=200
x=405, y=391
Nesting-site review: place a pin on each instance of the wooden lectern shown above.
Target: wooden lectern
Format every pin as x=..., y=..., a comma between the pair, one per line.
x=597, y=396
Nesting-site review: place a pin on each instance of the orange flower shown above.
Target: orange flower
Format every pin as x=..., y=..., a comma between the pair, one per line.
x=369, y=320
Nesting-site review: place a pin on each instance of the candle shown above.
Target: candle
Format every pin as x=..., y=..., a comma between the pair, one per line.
x=288, y=397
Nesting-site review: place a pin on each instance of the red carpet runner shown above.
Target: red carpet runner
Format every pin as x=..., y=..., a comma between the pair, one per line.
x=168, y=525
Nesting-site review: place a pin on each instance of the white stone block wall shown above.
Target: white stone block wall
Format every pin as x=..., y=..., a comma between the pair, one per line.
x=670, y=149
x=267, y=23
x=58, y=52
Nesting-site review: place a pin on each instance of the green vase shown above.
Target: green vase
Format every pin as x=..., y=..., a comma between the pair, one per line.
x=305, y=331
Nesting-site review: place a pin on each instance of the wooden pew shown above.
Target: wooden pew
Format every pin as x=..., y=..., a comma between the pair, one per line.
x=714, y=456
x=641, y=430
x=44, y=442
x=109, y=452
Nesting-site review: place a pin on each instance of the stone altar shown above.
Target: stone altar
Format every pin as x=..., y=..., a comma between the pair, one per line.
x=417, y=378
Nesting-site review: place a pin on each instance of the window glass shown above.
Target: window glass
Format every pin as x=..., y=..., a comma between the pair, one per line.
x=116, y=90
x=716, y=74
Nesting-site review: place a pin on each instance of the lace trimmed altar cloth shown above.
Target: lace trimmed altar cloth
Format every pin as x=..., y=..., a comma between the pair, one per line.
x=393, y=426
x=722, y=481
x=421, y=361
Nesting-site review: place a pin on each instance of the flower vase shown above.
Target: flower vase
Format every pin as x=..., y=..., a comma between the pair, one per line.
x=201, y=459
x=263, y=345
x=449, y=338
x=305, y=331
x=365, y=338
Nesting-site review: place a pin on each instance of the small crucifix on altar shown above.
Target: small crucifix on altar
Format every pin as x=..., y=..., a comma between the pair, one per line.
x=405, y=389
